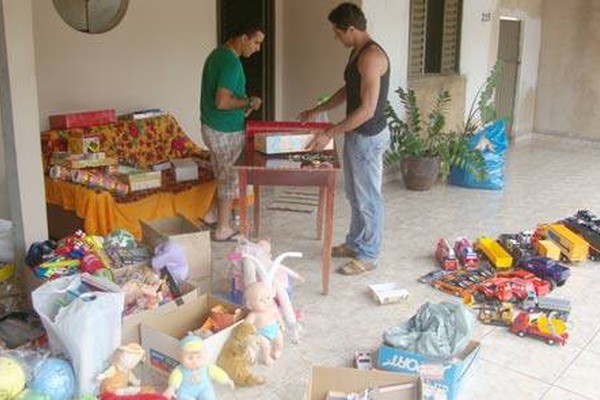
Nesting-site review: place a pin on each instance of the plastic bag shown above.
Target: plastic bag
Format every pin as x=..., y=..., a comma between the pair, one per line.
x=493, y=142
x=436, y=330
x=84, y=326
x=7, y=244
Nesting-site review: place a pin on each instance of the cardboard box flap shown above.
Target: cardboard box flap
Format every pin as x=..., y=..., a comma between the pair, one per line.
x=468, y=356
x=326, y=379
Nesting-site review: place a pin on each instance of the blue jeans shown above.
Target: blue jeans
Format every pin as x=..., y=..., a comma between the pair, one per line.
x=363, y=171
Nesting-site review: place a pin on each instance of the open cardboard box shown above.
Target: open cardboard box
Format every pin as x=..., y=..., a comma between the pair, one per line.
x=195, y=241
x=162, y=332
x=347, y=380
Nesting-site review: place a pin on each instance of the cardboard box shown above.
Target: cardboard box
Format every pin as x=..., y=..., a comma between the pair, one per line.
x=324, y=380
x=82, y=119
x=185, y=169
x=195, y=241
x=144, y=180
x=84, y=145
x=441, y=379
x=162, y=332
x=130, y=331
x=277, y=143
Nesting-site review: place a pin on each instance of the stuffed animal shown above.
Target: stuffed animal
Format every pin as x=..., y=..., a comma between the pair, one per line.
x=119, y=379
x=238, y=355
x=12, y=378
x=172, y=256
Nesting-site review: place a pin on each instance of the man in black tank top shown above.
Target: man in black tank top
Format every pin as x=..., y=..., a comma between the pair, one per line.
x=366, y=136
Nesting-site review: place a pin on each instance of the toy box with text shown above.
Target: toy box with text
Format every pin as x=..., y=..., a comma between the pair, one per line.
x=285, y=142
x=441, y=379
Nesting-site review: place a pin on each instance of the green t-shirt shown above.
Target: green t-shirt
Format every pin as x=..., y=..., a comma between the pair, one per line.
x=222, y=69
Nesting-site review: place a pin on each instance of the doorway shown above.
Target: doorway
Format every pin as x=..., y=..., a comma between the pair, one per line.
x=260, y=68
x=509, y=51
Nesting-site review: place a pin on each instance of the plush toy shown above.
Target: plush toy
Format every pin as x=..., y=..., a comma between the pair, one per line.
x=12, y=378
x=119, y=379
x=171, y=255
x=238, y=355
x=275, y=275
x=191, y=380
x=265, y=316
x=54, y=377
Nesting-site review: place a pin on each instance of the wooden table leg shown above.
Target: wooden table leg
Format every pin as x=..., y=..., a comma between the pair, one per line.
x=243, y=184
x=320, y=207
x=256, y=211
x=328, y=241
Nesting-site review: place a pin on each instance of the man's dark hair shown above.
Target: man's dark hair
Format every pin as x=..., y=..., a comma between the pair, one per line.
x=249, y=29
x=346, y=15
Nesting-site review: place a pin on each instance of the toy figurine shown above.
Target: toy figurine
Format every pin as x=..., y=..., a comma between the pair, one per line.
x=191, y=380
x=265, y=316
x=119, y=379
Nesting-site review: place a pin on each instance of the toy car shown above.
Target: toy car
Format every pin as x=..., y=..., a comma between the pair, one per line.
x=517, y=245
x=511, y=286
x=547, y=269
x=465, y=253
x=500, y=314
x=446, y=256
x=559, y=308
x=550, y=330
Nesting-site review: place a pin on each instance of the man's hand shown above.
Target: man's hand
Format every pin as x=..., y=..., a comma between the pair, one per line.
x=319, y=142
x=255, y=103
x=307, y=115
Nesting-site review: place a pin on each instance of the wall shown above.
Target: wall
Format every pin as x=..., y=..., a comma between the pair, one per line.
x=529, y=13
x=313, y=61
x=153, y=58
x=4, y=207
x=568, y=95
x=427, y=88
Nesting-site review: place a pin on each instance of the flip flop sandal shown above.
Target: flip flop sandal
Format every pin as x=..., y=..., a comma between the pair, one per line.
x=231, y=238
x=209, y=225
x=356, y=267
x=342, y=251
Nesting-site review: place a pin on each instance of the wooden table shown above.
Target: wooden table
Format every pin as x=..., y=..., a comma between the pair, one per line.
x=259, y=170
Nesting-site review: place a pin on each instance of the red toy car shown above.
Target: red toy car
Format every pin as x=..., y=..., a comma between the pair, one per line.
x=446, y=256
x=513, y=286
x=465, y=253
x=524, y=326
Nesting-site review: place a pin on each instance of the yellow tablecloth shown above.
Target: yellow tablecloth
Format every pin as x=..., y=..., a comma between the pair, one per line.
x=102, y=214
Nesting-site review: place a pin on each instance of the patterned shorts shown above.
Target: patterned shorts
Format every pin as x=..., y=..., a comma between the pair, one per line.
x=225, y=148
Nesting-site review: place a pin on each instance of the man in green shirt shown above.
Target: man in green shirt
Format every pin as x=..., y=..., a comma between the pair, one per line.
x=224, y=106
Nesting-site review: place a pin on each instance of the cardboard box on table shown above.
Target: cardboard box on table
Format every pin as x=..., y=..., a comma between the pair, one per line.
x=144, y=180
x=162, y=332
x=195, y=241
x=82, y=119
x=441, y=379
x=324, y=380
x=186, y=169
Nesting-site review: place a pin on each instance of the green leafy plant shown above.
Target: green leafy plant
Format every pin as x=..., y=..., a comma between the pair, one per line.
x=483, y=107
x=413, y=137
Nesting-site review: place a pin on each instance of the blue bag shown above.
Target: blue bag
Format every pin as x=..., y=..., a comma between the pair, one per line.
x=494, y=154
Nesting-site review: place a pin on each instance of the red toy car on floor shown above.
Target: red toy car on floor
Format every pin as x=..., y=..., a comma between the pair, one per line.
x=446, y=256
x=465, y=253
x=524, y=326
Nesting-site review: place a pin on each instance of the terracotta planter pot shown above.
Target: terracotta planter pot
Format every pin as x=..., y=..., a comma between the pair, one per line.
x=420, y=173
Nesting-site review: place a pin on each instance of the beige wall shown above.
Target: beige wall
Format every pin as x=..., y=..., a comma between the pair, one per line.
x=568, y=95
x=313, y=61
x=152, y=59
x=4, y=207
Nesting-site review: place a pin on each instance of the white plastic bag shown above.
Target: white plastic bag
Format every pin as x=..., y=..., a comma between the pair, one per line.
x=7, y=244
x=87, y=330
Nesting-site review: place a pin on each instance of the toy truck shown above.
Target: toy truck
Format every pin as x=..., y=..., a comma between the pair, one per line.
x=518, y=245
x=559, y=308
x=499, y=314
x=465, y=253
x=547, y=248
x=495, y=253
x=572, y=246
x=550, y=330
x=446, y=256
x=589, y=230
x=546, y=269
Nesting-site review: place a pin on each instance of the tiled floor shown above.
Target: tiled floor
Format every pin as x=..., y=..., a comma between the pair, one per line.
x=547, y=179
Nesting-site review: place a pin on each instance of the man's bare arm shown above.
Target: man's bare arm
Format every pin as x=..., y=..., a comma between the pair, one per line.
x=225, y=100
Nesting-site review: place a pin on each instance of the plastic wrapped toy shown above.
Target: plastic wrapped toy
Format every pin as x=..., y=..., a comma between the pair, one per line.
x=265, y=316
x=191, y=380
x=119, y=379
x=171, y=255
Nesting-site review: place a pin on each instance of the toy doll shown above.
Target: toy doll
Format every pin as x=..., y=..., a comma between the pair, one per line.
x=119, y=379
x=265, y=316
x=191, y=380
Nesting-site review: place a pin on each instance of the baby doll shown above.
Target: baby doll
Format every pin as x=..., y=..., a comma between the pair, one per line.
x=265, y=316
x=118, y=378
x=191, y=380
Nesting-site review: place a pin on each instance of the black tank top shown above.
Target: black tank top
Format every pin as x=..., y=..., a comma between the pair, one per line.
x=352, y=77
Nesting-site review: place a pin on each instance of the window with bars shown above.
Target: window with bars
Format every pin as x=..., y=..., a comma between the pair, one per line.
x=434, y=37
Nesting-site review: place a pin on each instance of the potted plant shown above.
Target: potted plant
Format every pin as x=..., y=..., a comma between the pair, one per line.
x=423, y=149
